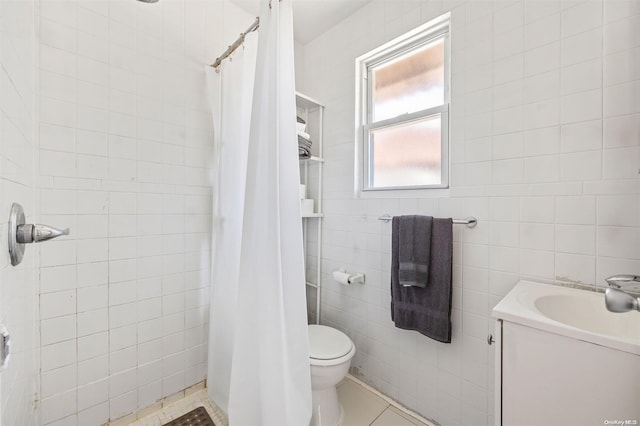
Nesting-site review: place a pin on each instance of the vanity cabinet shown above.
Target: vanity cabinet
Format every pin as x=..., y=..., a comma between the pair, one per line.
x=543, y=378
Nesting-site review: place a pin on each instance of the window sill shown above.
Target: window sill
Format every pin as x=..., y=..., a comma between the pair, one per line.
x=403, y=193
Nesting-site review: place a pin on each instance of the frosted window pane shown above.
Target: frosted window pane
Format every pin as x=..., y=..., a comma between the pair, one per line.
x=407, y=155
x=410, y=83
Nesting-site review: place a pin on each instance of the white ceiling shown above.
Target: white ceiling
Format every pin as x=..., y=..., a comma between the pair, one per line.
x=311, y=17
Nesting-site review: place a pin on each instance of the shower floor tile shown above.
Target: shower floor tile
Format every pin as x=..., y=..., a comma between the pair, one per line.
x=180, y=407
x=197, y=417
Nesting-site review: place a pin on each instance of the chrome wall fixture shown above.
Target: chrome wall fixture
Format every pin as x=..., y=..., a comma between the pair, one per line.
x=21, y=233
x=5, y=347
x=471, y=221
x=623, y=294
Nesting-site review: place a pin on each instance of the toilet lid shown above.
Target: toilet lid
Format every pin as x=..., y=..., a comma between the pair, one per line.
x=328, y=343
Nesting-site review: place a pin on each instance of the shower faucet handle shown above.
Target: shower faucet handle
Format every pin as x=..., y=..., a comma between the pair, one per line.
x=21, y=233
x=45, y=232
x=30, y=233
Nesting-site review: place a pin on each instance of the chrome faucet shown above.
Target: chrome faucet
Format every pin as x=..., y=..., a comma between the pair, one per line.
x=626, y=281
x=623, y=294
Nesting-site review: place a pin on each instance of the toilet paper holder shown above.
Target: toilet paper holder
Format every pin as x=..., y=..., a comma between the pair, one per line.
x=346, y=278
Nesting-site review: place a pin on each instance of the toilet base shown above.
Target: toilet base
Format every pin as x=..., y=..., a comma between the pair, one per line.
x=327, y=410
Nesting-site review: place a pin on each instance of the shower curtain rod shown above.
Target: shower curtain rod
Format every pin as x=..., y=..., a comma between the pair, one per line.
x=236, y=44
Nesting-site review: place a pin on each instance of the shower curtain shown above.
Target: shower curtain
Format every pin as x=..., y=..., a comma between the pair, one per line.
x=259, y=357
x=230, y=94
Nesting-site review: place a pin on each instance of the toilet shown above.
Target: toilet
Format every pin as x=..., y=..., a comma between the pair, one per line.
x=330, y=353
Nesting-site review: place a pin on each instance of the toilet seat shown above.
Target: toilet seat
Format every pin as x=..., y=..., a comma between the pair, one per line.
x=328, y=346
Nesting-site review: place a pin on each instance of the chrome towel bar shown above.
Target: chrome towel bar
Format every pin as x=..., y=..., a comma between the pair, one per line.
x=469, y=221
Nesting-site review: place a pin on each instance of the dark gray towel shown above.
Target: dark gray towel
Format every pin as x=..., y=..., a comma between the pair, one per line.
x=304, y=147
x=426, y=310
x=414, y=250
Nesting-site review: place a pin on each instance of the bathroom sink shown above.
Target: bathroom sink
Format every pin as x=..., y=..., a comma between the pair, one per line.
x=587, y=311
x=580, y=314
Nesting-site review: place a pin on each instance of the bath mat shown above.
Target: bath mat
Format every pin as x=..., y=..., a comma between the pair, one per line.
x=197, y=417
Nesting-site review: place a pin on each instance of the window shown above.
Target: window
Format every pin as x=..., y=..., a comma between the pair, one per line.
x=402, y=112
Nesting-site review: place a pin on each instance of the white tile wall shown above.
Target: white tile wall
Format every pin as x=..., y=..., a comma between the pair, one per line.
x=18, y=149
x=545, y=118
x=125, y=162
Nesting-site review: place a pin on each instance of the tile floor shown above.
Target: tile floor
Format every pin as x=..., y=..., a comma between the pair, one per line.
x=362, y=407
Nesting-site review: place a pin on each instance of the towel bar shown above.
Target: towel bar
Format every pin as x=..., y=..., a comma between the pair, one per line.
x=470, y=221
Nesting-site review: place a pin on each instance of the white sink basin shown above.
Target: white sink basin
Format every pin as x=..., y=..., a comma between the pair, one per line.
x=570, y=312
x=587, y=311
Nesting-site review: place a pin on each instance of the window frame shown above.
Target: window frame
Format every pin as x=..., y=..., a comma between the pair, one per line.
x=421, y=36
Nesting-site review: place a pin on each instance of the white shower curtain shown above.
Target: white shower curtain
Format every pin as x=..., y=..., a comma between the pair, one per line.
x=230, y=93
x=259, y=356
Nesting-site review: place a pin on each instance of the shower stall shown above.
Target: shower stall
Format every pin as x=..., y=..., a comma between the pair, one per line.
x=106, y=129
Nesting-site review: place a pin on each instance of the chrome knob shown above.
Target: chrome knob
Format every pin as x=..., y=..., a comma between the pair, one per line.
x=619, y=301
x=618, y=281
x=626, y=282
x=5, y=347
x=30, y=233
x=21, y=233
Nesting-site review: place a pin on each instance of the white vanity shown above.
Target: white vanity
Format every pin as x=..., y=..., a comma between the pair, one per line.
x=563, y=359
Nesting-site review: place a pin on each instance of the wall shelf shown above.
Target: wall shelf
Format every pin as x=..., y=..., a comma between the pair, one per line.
x=311, y=175
x=307, y=102
x=313, y=159
x=310, y=284
x=309, y=216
